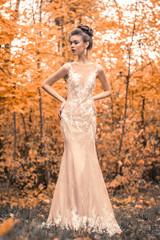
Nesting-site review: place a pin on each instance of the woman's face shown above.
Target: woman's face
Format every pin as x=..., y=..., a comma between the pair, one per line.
x=77, y=44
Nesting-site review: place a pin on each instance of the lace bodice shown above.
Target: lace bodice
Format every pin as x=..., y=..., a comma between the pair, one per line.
x=81, y=83
x=79, y=108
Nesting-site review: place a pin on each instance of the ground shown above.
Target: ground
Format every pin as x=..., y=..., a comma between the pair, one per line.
x=139, y=220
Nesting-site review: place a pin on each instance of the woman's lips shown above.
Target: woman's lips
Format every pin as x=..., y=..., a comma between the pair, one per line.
x=73, y=50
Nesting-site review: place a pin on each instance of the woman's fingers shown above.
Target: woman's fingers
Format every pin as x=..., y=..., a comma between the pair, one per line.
x=62, y=105
x=94, y=109
x=60, y=109
x=59, y=113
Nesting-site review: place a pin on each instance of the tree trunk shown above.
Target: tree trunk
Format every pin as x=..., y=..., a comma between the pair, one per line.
x=42, y=130
x=119, y=163
x=15, y=136
x=41, y=115
x=24, y=125
x=14, y=113
x=143, y=121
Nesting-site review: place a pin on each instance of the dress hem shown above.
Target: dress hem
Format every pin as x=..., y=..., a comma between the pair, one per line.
x=88, y=229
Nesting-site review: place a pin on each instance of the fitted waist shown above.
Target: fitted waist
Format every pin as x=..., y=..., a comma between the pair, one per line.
x=79, y=107
x=78, y=101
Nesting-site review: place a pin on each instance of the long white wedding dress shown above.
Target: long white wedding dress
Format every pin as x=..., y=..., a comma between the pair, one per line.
x=81, y=200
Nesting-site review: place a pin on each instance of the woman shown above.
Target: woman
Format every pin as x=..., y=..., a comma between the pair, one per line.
x=81, y=200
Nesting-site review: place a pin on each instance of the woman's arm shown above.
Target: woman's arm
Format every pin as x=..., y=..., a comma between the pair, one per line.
x=52, y=79
x=107, y=90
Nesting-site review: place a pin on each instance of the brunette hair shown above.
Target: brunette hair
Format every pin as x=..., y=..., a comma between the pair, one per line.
x=85, y=32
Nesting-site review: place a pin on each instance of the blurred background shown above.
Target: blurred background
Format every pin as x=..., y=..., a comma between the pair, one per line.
x=33, y=45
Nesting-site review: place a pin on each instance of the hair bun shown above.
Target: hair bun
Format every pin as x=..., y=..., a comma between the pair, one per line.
x=86, y=29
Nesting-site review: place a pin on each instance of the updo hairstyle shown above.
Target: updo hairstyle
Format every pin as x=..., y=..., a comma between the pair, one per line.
x=85, y=32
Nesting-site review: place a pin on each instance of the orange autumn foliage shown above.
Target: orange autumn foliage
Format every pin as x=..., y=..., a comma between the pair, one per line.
x=7, y=225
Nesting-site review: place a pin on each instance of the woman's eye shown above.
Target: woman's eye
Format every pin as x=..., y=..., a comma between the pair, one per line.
x=74, y=42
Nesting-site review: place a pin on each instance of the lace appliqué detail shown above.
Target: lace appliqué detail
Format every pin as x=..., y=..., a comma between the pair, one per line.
x=105, y=224
x=79, y=111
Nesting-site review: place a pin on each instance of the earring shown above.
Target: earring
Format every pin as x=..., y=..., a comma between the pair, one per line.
x=85, y=51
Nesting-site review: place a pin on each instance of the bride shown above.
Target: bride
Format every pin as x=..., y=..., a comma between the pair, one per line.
x=81, y=200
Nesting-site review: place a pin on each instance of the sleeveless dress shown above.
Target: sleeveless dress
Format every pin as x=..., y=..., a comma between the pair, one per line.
x=81, y=200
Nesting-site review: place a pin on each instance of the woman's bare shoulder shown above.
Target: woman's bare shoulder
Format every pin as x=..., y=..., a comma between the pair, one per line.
x=99, y=66
x=66, y=65
x=100, y=69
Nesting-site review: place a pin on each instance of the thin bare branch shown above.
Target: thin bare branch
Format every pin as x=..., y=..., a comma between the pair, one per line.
x=139, y=69
x=148, y=84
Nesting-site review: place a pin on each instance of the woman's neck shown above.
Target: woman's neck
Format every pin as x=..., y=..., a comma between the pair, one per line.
x=83, y=59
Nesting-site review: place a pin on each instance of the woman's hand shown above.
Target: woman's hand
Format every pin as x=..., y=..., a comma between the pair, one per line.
x=94, y=107
x=61, y=108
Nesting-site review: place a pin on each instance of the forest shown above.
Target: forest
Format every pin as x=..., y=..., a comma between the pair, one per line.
x=33, y=45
